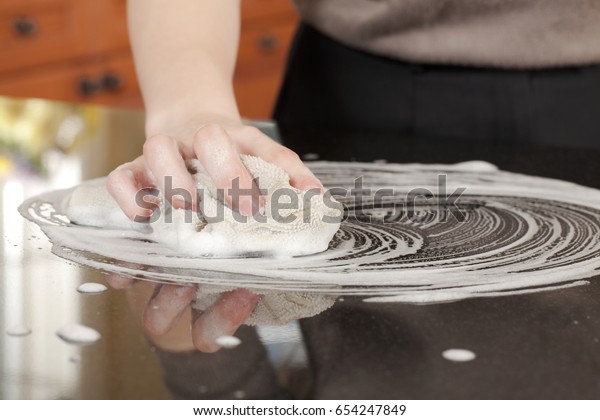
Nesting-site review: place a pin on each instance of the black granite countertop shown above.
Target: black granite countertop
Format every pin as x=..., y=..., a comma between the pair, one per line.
x=542, y=345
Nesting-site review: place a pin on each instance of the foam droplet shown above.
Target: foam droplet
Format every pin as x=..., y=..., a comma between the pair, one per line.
x=228, y=341
x=476, y=166
x=239, y=394
x=18, y=331
x=310, y=156
x=458, y=355
x=78, y=334
x=91, y=288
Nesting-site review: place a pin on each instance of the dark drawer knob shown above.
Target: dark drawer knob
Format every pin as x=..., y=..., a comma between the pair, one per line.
x=24, y=26
x=267, y=43
x=88, y=87
x=111, y=82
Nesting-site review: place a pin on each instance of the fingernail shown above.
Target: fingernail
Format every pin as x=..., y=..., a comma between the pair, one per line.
x=152, y=199
x=180, y=203
x=309, y=184
x=156, y=320
x=143, y=215
x=210, y=328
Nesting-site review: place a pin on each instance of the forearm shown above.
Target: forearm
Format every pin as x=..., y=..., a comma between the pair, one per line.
x=185, y=52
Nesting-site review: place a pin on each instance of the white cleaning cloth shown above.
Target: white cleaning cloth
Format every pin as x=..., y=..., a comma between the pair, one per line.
x=302, y=223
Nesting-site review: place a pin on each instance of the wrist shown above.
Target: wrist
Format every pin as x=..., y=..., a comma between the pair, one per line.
x=210, y=99
x=184, y=120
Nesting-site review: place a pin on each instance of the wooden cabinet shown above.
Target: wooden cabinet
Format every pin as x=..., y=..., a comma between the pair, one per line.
x=78, y=51
x=35, y=33
x=267, y=30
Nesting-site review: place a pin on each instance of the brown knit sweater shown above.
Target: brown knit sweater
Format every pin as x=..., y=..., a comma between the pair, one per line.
x=496, y=33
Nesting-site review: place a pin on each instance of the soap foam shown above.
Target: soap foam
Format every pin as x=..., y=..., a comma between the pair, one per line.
x=458, y=355
x=228, y=341
x=91, y=288
x=522, y=234
x=18, y=331
x=78, y=334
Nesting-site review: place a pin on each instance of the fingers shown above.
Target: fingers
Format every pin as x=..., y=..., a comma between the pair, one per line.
x=125, y=184
x=220, y=158
x=222, y=319
x=166, y=307
x=254, y=142
x=300, y=176
x=162, y=165
x=164, y=160
x=118, y=282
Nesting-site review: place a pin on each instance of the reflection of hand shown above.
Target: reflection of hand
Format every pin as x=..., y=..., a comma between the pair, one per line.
x=165, y=313
x=217, y=146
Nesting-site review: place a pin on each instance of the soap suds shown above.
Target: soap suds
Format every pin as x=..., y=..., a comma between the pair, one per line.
x=310, y=156
x=458, y=355
x=18, y=331
x=522, y=234
x=78, y=334
x=91, y=288
x=228, y=341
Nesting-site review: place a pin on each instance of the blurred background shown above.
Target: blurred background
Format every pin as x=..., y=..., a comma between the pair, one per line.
x=78, y=51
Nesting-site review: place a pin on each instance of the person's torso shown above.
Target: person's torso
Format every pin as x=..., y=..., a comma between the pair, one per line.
x=496, y=33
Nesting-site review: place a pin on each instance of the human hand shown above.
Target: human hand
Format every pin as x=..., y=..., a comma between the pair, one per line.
x=217, y=142
x=166, y=314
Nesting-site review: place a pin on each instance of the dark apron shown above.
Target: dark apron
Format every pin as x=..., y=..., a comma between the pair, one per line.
x=330, y=86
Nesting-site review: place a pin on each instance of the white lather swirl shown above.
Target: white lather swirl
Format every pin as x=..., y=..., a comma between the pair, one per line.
x=521, y=234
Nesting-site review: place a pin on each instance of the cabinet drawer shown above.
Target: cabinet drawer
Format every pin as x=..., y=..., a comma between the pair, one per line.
x=258, y=9
x=36, y=32
x=111, y=25
x=256, y=94
x=109, y=82
x=264, y=48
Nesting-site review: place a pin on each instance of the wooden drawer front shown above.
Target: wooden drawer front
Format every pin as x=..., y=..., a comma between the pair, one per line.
x=110, y=25
x=256, y=95
x=109, y=82
x=258, y=9
x=36, y=32
x=264, y=48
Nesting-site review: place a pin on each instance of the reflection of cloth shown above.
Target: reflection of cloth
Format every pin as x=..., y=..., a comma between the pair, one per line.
x=477, y=32
x=274, y=308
